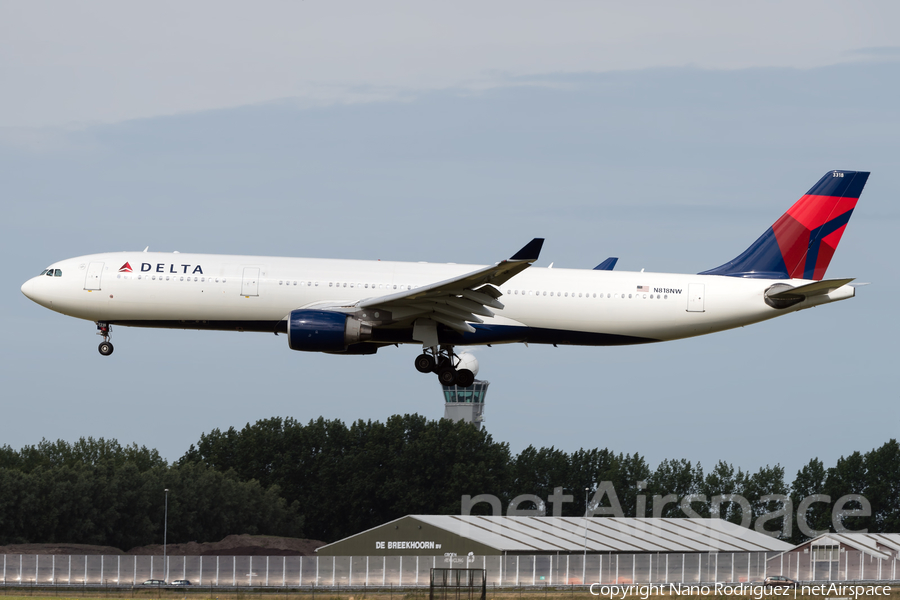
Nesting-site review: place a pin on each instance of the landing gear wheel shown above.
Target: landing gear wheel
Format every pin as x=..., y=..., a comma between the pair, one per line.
x=105, y=348
x=465, y=378
x=447, y=376
x=425, y=363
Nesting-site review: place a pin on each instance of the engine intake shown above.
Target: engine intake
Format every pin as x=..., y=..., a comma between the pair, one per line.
x=324, y=331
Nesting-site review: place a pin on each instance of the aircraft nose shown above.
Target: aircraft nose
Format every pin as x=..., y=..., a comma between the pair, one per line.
x=28, y=289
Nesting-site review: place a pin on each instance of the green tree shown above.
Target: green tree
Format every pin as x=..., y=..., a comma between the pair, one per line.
x=669, y=483
x=849, y=476
x=883, y=487
x=810, y=480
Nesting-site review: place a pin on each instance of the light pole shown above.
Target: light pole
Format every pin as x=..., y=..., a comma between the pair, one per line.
x=584, y=559
x=165, y=536
x=586, y=491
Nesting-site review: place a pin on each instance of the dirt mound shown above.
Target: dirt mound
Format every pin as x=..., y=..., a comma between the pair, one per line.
x=238, y=545
x=233, y=545
x=58, y=549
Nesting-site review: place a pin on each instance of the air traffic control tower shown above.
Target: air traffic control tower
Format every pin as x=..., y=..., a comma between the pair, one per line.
x=466, y=403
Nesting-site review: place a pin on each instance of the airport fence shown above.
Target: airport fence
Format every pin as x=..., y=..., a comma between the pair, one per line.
x=414, y=571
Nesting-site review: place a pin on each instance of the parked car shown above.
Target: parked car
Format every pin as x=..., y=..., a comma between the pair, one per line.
x=181, y=582
x=779, y=581
x=154, y=582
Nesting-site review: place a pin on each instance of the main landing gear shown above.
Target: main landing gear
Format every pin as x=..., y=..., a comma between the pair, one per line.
x=444, y=361
x=105, y=347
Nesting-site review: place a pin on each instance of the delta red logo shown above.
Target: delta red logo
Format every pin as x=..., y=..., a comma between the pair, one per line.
x=126, y=268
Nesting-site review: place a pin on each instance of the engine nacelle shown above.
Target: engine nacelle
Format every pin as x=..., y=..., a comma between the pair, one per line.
x=324, y=331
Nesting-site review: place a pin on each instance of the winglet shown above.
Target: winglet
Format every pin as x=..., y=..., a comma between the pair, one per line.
x=607, y=265
x=530, y=251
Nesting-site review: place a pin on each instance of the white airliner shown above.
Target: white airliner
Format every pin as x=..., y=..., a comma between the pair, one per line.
x=355, y=307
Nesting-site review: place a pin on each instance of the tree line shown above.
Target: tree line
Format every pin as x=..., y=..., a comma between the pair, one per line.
x=99, y=492
x=327, y=480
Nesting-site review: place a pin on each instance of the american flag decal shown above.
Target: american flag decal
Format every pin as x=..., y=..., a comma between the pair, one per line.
x=643, y=288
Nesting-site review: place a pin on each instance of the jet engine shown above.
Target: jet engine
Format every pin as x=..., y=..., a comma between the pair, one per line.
x=324, y=331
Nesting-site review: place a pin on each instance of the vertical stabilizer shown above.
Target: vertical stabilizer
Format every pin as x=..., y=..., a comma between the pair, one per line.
x=801, y=243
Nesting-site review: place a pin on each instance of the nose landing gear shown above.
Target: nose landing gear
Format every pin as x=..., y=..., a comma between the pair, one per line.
x=443, y=361
x=105, y=347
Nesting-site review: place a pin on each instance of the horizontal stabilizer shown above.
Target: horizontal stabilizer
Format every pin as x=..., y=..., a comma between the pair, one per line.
x=818, y=288
x=607, y=265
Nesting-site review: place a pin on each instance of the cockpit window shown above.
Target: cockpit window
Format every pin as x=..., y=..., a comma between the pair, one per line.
x=57, y=273
x=49, y=272
x=44, y=272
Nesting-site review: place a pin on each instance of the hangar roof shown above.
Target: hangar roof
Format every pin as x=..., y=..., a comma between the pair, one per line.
x=879, y=545
x=535, y=535
x=606, y=534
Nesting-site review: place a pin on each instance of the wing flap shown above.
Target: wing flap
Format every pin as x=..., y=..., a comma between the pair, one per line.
x=452, y=323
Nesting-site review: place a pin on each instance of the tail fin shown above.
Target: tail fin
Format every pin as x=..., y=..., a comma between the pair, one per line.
x=801, y=243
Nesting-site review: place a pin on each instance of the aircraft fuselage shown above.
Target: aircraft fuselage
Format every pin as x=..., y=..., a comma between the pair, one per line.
x=541, y=305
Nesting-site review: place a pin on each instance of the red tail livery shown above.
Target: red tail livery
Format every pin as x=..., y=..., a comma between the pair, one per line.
x=801, y=243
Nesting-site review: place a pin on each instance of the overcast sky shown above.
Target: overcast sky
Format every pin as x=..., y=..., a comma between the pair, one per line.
x=670, y=135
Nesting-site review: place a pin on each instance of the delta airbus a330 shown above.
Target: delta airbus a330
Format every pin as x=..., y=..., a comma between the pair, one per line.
x=356, y=307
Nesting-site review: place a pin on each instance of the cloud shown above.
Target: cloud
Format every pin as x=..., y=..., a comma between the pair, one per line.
x=876, y=52
x=111, y=61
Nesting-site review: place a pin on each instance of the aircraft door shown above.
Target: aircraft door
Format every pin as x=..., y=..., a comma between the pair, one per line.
x=94, y=273
x=695, y=297
x=250, y=283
